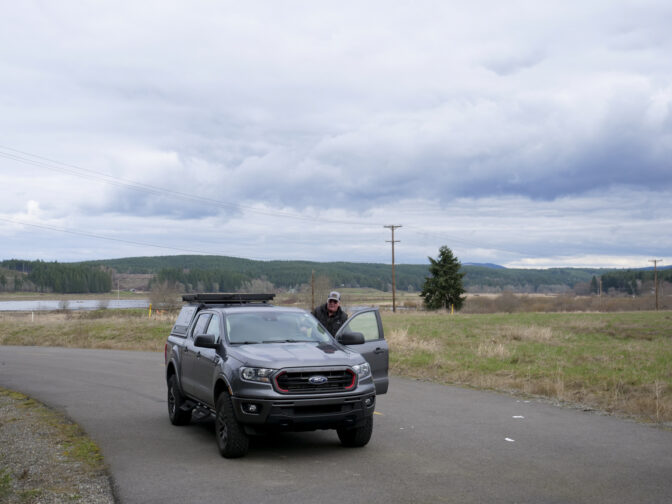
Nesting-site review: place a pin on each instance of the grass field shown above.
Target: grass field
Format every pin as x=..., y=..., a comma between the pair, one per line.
x=616, y=362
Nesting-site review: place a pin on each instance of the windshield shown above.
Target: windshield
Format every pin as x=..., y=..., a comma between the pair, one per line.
x=274, y=327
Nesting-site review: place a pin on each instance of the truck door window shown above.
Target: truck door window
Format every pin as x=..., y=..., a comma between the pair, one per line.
x=365, y=323
x=201, y=324
x=213, y=328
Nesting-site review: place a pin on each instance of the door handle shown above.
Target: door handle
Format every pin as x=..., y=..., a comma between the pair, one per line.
x=379, y=350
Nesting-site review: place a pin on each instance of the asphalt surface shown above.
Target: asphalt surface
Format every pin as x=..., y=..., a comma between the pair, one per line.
x=431, y=443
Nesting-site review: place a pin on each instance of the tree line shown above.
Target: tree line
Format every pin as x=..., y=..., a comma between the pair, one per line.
x=225, y=274
x=231, y=272
x=56, y=277
x=634, y=282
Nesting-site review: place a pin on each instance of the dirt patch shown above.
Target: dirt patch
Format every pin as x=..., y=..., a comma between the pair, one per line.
x=45, y=458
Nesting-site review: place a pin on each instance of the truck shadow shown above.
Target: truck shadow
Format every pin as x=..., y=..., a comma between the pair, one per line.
x=285, y=444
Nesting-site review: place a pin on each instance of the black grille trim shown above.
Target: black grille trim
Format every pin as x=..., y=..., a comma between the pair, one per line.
x=293, y=381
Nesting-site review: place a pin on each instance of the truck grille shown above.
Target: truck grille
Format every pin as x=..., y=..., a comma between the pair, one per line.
x=315, y=381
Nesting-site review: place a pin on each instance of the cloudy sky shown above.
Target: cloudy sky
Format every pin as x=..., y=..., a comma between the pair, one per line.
x=529, y=134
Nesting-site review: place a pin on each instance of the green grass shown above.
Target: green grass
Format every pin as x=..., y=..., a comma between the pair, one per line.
x=76, y=444
x=78, y=454
x=616, y=362
x=5, y=482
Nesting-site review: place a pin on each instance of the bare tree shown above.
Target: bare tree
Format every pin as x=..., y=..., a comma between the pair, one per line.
x=257, y=286
x=323, y=287
x=165, y=295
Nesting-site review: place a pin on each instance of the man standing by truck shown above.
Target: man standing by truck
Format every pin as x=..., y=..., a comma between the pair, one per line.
x=330, y=314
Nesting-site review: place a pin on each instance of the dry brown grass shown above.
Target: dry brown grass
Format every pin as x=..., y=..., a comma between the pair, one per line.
x=525, y=333
x=620, y=362
x=509, y=302
x=400, y=341
x=104, y=329
x=492, y=349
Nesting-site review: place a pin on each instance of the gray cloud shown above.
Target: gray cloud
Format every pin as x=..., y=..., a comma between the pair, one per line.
x=346, y=109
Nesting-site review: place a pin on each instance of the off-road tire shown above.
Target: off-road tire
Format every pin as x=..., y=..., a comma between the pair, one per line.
x=231, y=438
x=359, y=436
x=177, y=415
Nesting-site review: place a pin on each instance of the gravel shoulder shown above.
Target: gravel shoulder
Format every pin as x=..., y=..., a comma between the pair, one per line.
x=46, y=458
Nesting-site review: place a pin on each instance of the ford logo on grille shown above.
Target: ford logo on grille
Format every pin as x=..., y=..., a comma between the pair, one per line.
x=318, y=379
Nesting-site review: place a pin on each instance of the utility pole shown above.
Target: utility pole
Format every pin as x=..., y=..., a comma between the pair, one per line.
x=655, y=277
x=312, y=290
x=394, y=286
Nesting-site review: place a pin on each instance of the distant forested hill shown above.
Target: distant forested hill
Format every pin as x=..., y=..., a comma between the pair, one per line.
x=221, y=273
x=229, y=273
x=552, y=280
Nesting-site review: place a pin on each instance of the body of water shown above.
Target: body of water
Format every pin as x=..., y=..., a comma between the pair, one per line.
x=73, y=304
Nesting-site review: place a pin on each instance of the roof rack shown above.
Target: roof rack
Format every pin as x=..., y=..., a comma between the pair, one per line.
x=219, y=298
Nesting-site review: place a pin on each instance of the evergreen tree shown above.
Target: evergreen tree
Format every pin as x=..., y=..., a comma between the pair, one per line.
x=444, y=287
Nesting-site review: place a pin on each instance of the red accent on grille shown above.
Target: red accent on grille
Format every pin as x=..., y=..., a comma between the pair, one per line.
x=352, y=384
x=277, y=384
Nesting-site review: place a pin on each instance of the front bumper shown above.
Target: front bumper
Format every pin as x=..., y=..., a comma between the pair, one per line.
x=304, y=413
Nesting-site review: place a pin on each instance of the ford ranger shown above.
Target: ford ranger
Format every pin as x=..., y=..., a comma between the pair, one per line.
x=259, y=368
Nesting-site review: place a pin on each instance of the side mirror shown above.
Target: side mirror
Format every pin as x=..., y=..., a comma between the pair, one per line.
x=351, y=338
x=205, y=341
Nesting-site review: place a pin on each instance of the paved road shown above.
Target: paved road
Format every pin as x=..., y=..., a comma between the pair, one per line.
x=431, y=443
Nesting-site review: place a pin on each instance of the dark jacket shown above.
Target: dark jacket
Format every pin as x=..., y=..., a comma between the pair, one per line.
x=334, y=323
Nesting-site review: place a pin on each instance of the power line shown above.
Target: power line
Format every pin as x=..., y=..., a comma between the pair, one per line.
x=133, y=242
x=101, y=237
x=445, y=238
x=77, y=171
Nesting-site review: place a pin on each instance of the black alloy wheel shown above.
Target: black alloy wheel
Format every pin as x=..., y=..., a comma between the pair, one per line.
x=231, y=438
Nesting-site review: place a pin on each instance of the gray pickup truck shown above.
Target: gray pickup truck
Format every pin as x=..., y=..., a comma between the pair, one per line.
x=260, y=368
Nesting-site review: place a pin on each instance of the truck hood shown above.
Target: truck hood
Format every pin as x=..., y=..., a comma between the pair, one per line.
x=281, y=355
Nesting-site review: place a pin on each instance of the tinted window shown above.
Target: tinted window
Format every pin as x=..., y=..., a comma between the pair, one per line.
x=183, y=320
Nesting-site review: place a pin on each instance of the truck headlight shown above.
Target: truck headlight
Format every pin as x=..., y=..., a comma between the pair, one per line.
x=257, y=374
x=362, y=370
